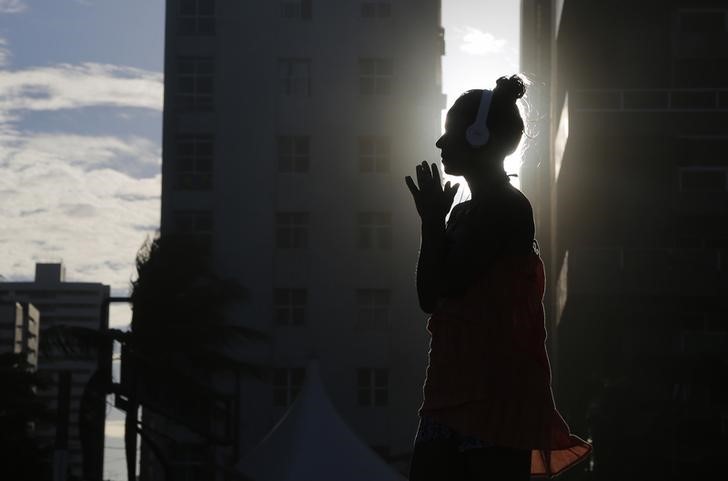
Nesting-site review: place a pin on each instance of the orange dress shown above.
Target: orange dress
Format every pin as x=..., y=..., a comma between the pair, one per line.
x=489, y=374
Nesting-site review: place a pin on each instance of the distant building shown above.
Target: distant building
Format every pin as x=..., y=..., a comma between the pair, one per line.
x=70, y=304
x=289, y=127
x=631, y=185
x=19, y=330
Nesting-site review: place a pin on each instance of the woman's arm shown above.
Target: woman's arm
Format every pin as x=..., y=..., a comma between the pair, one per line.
x=431, y=263
x=433, y=203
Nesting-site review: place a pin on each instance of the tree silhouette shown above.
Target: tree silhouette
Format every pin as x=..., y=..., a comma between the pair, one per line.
x=180, y=337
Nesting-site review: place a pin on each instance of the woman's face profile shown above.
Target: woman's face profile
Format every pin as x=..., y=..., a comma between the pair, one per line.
x=456, y=153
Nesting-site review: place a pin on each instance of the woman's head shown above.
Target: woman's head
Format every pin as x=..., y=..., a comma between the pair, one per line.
x=504, y=123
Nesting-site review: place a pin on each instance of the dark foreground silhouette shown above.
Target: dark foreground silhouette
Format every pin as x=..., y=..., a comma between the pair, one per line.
x=488, y=409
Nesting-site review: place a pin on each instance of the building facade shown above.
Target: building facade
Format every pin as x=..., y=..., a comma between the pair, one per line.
x=61, y=303
x=19, y=330
x=632, y=183
x=289, y=127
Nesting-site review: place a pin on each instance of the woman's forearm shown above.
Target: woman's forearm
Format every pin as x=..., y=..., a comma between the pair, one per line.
x=430, y=264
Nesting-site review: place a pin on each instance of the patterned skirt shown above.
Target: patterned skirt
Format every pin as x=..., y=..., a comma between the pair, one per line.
x=429, y=430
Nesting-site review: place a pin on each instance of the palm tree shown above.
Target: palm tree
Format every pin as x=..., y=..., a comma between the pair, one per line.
x=180, y=337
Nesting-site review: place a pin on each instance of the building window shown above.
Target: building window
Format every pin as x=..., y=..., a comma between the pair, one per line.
x=376, y=9
x=293, y=153
x=375, y=230
x=696, y=31
x=196, y=17
x=188, y=462
x=195, y=153
x=703, y=179
x=375, y=76
x=373, y=308
x=292, y=230
x=295, y=76
x=197, y=224
x=195, y=83
x=700, y=231
x=290, y=307
x=374, y=154
x=703, y=21
x=287, y=382
x=372, y=387
x=298, y=9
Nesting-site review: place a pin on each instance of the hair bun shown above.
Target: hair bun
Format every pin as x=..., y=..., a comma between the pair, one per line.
x=512, y=88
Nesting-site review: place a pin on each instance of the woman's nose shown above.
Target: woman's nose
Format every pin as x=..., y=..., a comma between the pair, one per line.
x=438, y=144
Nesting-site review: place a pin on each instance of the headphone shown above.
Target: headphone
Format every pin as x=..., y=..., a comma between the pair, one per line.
x=478, y=134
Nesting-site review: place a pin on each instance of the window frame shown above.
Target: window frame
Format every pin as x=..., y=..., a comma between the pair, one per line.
x=376, y=76
x=295, y=302
x=197, y=19
x=195, y=176
x=201, y=223
x=297, y=9
x=292, y=229
x=199, y=94
x=374, y=230
x=293, y=161
x=375, y=10
x=374, y=154
x=373, y=306
x=294, y=378
x=372, y=387
x=291, y=82
x=687, y=169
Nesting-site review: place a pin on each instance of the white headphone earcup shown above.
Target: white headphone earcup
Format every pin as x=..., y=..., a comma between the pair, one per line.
x=477, y=135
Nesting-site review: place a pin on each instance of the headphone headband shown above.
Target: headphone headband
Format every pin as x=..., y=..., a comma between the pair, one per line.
x=478, y=134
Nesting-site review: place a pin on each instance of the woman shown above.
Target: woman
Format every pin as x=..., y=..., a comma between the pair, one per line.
x=488, y=410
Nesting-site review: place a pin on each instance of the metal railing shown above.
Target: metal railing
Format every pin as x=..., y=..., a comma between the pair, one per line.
x=661, y=270
x=651, y=100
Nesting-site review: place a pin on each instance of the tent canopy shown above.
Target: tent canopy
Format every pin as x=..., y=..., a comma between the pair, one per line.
x=312, y=443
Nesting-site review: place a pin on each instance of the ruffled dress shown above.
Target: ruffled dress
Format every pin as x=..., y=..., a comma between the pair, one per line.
x=489, y=376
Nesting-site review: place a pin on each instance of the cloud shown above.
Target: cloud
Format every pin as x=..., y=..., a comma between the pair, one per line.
x=86, y=200
x=477, y=42
x=12, y=6
x=81, y=210
x=67, y=86
x=44, y=153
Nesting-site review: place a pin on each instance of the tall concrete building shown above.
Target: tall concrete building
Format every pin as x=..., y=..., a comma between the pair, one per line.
x=70, y=304
x=631, y=183
x=289, y=127
x=19, y=330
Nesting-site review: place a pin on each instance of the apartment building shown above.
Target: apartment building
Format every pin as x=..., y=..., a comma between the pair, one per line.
x=289, y=127
x=61, y=303
x=19, y=330
x=631, y=183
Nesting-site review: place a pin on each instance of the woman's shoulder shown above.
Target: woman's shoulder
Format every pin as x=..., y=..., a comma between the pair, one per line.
x=507, y=201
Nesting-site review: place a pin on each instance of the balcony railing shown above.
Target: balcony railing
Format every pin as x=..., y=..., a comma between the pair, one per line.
x=651, y=100
x=654, y=271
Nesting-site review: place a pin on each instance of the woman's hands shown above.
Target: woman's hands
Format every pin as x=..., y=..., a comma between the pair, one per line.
x=432, y=200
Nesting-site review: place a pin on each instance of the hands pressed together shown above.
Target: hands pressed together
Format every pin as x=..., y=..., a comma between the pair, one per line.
x=433, y=202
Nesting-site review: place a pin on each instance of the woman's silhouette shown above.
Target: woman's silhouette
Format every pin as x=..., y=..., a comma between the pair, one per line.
x=488, y=410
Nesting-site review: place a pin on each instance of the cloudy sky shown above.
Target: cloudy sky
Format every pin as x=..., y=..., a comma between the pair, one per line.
x=80, y=130
x=80, y=127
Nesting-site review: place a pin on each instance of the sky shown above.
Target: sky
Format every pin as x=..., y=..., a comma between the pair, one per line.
x=81, y=86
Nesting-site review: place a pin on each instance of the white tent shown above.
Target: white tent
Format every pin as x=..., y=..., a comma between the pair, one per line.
x=312, y=443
